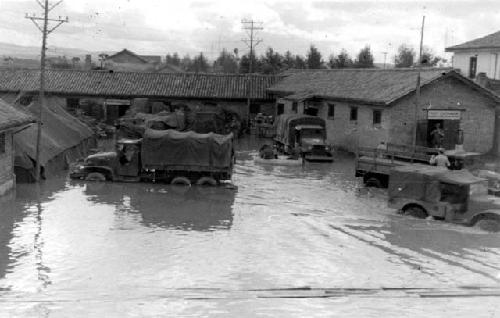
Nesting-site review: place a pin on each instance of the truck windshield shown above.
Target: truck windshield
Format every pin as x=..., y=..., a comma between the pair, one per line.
x=311, y=133
x=478, y=189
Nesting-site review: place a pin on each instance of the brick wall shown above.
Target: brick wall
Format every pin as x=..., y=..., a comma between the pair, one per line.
x=6, y=165
x=478, y=120
x=347, y=134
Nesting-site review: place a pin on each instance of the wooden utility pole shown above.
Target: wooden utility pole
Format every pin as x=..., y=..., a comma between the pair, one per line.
x=417, y=93
x=251, y=26
x=45, y=31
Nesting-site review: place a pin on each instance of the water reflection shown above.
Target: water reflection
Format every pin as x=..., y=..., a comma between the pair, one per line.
x=168, y=207
x=429, y=246
x=8, y=218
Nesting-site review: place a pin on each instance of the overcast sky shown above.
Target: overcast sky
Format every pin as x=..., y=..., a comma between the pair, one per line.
x=193, y=26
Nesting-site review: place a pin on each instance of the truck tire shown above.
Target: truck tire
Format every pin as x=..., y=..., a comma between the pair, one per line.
x=415, y=210
x=488, y=223
x=181, y=181
x=208, y=181
x=95, y=176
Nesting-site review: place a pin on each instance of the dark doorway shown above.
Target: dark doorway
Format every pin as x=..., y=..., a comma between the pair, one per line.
x=312, y=111
x=280, y=109
x=450, y=129
x=472, y=66
x=254, y=108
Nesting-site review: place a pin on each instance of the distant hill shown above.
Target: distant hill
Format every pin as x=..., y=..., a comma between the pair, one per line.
x=33, y=52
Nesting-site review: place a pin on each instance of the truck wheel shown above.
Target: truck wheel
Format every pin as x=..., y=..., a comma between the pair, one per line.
x=489, y=224
x=208, y=181
x=181, y=181
x=415, y=211
x=95, y=176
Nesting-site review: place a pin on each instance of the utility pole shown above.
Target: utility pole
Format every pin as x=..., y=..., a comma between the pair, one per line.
x=250, y=26
x=385, y=58
x=417, y=93
x=45, y=32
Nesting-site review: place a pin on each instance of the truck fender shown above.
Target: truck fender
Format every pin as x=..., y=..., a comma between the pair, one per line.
x=495, y=214
x=108, y=172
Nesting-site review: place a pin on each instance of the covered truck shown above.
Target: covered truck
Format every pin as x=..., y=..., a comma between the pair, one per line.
x=451, y=195
x=163, y=156
x=303, y=134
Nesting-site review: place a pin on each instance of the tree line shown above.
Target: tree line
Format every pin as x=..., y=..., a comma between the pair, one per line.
x=272, y=62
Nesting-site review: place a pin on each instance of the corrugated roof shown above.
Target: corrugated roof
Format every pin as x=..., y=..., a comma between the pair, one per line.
x=373, y=86
x=138, y=84
x=489, y=41
x=11, y=117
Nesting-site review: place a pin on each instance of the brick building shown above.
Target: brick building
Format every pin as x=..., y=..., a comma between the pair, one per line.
x=365, y=106
x=11, y=120
x=108, y=95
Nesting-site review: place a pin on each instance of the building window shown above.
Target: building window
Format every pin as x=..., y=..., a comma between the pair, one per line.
x=377, y=117
x=2, y=143
x=354, y=113
x=331, y=111
x=472, y=66
x=294, y=107
x=280, y=109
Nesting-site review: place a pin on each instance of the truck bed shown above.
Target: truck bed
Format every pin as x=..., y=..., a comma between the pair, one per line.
x=380, y=161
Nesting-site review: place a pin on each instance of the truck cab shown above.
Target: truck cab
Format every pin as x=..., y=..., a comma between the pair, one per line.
x=451, y=195
x=303, y=134
x=311, y=140
x=121, y=164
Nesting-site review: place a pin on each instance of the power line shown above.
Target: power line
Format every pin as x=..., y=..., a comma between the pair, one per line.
x=45, y=32
x=251, y=26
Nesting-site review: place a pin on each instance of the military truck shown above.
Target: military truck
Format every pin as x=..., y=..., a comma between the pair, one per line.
x=302, y=134
x=163, y=156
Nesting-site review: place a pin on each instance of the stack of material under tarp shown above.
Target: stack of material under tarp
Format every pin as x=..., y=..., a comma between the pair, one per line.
x=134, y=127
x=64, y=140
x=170, y=148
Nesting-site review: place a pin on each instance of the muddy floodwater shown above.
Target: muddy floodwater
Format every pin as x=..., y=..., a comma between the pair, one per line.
x=288, y=242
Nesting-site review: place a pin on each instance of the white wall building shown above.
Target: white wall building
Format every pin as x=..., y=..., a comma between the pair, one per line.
x=478, y=56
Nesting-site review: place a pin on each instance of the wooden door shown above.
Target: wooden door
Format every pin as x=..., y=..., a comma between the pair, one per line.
x=450, y=128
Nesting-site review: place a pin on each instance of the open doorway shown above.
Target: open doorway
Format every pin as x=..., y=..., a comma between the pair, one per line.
x=450, y=130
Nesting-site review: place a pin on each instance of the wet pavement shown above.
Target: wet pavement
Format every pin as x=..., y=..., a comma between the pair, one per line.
x=288, y=242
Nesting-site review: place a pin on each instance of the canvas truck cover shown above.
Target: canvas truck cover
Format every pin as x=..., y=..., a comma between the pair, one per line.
x=134, y=127
x=285, y=124
x=168, y=148
x=421, y=182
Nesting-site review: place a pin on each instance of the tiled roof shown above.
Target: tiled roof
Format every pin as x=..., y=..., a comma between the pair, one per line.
x=373, y=86
x=137, y=84
x=486, y=42
x=11, y=117
x=126, y=52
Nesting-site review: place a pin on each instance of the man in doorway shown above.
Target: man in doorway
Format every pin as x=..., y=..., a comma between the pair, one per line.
x=437, y=136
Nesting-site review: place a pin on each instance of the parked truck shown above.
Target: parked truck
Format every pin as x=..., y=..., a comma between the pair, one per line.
x=303, y=134
x=374, y=164
x=163, y=156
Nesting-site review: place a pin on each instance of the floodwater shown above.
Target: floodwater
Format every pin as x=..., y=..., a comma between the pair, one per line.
x=288, y=242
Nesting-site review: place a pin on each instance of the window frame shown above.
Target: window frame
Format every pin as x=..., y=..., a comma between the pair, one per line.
x=2, y=142
x=353, y=110
x=330, y=114
x=379, y=112
x=295, y=107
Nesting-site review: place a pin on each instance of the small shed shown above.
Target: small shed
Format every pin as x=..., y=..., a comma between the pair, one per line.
x=11, y=121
